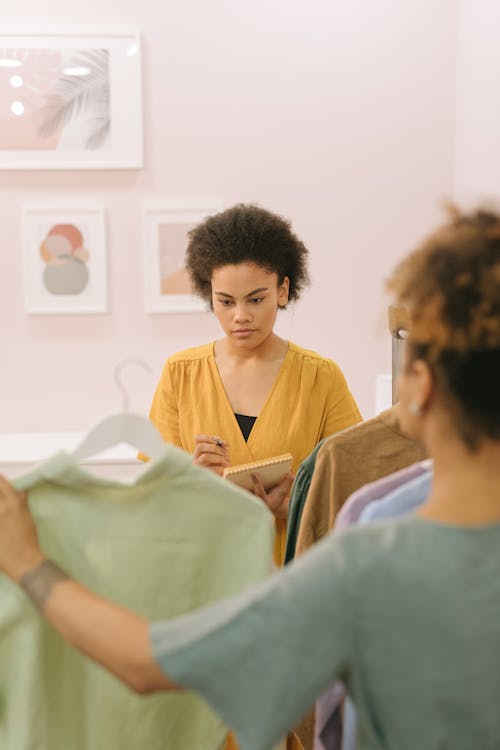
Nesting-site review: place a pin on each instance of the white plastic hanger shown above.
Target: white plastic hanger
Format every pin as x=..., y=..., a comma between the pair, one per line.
x=128, y=428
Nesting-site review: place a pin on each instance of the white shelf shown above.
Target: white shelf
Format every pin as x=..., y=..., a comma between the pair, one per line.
x=32, y=447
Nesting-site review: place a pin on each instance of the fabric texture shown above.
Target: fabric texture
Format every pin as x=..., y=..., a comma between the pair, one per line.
x=176, y=538
x=391, y=497
x=346, y=462
x=309, y=400
x=406, y=613
x=374, y=493
x=298, y=497
x=400, y=502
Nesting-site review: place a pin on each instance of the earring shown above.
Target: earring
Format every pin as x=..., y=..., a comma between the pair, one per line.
x=414, y=409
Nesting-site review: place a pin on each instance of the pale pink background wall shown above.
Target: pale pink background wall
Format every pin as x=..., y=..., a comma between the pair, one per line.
x=340, y=115
x=477, y=142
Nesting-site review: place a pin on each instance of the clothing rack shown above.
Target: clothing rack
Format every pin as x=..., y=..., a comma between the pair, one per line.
x=398, y=326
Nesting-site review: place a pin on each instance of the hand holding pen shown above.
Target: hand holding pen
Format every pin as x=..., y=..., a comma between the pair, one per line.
x=212, y=452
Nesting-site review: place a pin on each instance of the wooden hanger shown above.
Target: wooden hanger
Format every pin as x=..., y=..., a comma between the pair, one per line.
x=399, y=321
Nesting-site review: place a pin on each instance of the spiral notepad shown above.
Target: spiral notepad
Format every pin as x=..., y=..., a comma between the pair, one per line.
x=270, y=470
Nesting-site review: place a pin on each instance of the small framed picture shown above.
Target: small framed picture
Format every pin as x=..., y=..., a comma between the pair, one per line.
x=65, y=260
x=70, y=102
x=168, y=286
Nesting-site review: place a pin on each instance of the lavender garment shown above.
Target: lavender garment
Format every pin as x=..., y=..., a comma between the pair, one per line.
x=328, y=722
x=355, y=504
x=328, y=718
x=400, y=502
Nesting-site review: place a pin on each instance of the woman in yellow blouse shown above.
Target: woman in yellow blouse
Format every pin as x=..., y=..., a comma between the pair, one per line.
x=250, y=395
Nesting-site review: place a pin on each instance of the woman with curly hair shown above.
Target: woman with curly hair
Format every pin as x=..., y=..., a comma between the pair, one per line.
x=405, y=612
x=250, y=395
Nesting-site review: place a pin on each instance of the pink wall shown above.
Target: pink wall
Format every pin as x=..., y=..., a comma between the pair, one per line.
x=340, y=115
x=477, y=149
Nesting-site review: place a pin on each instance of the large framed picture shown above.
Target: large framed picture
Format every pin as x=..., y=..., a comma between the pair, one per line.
x=65, y=260
x=168, y=287
x=70, y=102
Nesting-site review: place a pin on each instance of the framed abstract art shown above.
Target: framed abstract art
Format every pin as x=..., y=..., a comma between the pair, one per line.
x=167, y=285
x=65, y=260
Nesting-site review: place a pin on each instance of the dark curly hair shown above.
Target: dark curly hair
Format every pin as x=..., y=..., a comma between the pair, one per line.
x=451, y=288
x=246, y=233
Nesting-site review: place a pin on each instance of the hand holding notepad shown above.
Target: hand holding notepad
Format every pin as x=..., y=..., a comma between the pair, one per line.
x=270, y=470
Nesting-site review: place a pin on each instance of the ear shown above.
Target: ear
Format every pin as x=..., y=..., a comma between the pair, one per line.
x=420, y=383
x=283, y=291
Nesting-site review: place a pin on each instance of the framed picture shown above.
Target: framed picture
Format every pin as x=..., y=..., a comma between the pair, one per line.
x=70, y=102
x=65, y=260
x=168, y=286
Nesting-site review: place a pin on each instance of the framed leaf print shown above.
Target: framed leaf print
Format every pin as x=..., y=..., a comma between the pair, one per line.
x=70, y=102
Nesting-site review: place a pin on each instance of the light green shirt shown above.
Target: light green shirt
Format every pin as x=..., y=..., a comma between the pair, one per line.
x=406, y=613
x=177, y=538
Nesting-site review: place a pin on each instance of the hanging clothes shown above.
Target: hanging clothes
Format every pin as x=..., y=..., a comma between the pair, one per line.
x=342, y=464
x=401, y=501
x=176, y=538
x=298, y=497
x=309, y=400
x=374, y=493
x=346, y=462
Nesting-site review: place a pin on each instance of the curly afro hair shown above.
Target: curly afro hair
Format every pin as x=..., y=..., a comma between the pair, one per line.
x=451, y=288
x=246, y=233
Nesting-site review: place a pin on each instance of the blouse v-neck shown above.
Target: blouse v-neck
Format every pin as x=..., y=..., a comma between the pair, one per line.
x=259, y=417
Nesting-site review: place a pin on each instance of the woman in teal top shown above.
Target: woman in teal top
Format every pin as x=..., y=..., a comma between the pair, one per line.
x=406, y=613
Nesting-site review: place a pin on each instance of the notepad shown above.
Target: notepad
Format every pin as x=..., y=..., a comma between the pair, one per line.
x=270, y=470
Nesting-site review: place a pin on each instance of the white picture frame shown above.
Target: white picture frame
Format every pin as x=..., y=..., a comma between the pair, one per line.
x=70, y=102
x=167, y=285
x=65, y=265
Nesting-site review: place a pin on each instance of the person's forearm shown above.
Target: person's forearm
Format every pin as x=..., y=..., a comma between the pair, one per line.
x=111, y=635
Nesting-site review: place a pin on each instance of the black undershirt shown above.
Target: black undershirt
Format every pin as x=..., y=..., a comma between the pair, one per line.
x=246, y=423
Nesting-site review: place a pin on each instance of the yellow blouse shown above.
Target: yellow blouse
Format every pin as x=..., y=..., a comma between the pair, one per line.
x=309, y=400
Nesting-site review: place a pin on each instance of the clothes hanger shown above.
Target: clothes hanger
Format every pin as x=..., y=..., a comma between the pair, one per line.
x=399, y=320
x=124, y=427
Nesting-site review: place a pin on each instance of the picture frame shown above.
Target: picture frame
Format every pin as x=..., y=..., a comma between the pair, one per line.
x=168, y=288
x=65, y=265
x=70, y=102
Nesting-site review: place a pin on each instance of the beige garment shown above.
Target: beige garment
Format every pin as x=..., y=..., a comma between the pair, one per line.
x=345, y=462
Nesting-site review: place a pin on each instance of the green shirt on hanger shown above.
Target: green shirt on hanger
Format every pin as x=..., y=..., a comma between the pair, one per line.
x=176, y=538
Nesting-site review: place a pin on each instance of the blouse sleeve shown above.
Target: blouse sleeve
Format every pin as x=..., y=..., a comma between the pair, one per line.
x=261, y=658
x=342, y=410
x=164, y=411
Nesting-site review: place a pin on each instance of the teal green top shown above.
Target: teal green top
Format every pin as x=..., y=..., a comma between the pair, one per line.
x=174, y=539
x=406, y=613
x=298, y=497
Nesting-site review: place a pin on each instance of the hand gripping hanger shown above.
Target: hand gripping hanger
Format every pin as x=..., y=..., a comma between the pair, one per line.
x=124, y=427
